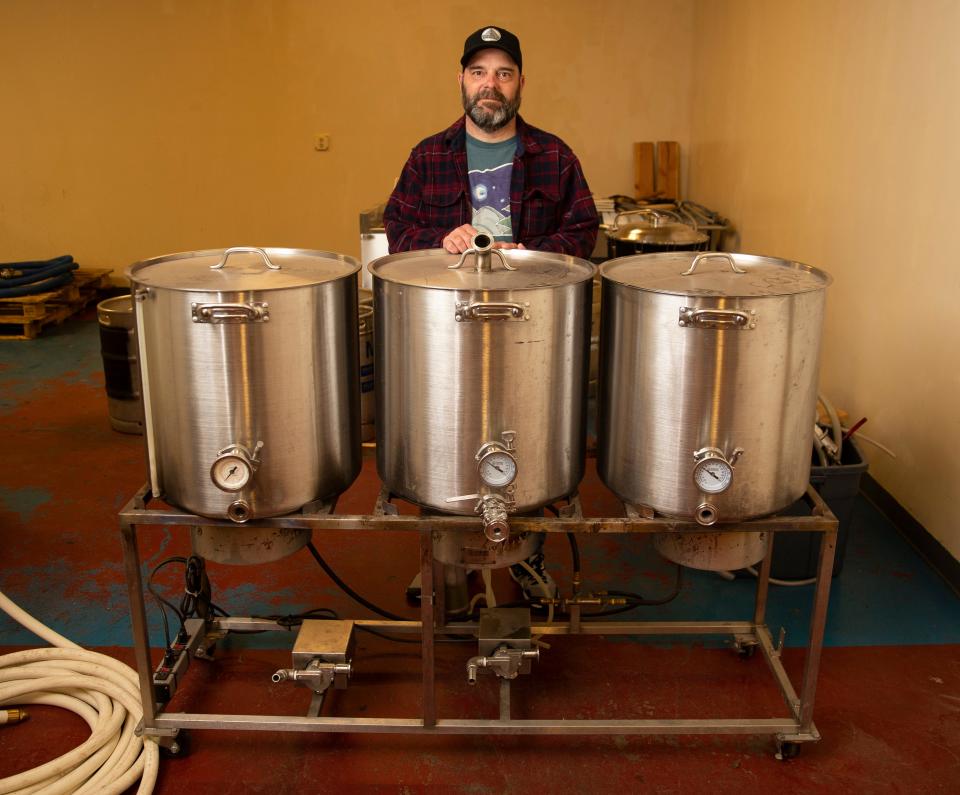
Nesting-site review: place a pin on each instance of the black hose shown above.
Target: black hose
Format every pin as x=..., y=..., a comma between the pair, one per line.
x=34, y=288
x=35, y=265
x=638, y=601
x=574, y=552
x=162, y=603
x=571, y=537
x=28, y=278
x=348, y=590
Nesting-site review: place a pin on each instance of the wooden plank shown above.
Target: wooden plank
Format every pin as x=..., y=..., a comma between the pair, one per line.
x=668, y=170
x=644, y=184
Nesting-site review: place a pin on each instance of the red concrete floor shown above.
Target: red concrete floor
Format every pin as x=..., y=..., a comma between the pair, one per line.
x=889, y=715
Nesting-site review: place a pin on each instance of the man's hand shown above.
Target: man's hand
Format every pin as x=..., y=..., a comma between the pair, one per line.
x=459, y=240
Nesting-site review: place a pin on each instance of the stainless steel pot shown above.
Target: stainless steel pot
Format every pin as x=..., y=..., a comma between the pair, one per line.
x=481, y=376
x=708, y=385
x=652, y=231
x=250, y=369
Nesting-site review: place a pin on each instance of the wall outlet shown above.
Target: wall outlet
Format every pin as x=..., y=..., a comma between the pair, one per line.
x=321, y=142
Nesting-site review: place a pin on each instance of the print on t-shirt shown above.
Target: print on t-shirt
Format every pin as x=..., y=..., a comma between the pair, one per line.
x=490, y=170
x=490, y=196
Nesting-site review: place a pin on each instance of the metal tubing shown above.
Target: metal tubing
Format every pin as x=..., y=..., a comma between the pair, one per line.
x=138, y=617
x=591, y=526
x=798, y=728
x=504, y=700
x=776, y=668
x=818, y=624
x=554, y=628
x=316, y=704
x=439, y=592
x=427, y=589
x=183, y=720
x=763, y=583
x=586, y=627
x=645, y=628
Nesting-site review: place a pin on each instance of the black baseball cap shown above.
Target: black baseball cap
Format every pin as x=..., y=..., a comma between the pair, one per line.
x=491, y=37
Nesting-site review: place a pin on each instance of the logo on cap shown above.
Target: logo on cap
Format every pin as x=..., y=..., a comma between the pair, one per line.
x=490, y=34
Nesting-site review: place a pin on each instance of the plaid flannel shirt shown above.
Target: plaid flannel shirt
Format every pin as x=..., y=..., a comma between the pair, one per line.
x=550, y=204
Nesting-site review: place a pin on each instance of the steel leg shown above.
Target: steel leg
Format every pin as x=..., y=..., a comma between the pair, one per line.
x=316, y=704
x=427, y=625
x=763, y=584
x=504, y=699
x=818, y=624
x=439, y=594
x=138, y=615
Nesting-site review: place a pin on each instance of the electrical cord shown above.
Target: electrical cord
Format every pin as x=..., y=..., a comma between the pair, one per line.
x=571, y=537
x=324, y=614
x=101, y=690
x=574, y=552
x=327, y=614
x=195, y=599
x=196, y=588
x=162, y=603
x=348, y=590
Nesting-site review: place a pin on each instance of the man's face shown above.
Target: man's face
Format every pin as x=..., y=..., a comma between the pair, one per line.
x=491, y=86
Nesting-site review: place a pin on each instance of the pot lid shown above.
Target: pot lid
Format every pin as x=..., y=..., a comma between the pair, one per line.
x=242, y=268
x=662, y=234
x=519, y=269
x=715, y=273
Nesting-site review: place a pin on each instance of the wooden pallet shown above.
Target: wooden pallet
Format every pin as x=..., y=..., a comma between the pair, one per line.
x=25, y=317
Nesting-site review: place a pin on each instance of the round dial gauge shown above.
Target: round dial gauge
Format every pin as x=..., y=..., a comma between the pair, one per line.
x=230, y=472
x=498, y=468
x=712, y=475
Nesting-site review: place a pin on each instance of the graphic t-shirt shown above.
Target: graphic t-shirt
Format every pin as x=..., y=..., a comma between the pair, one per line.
x=490, y=167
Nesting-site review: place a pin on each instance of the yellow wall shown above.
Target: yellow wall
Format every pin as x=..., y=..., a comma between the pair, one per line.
x=830, y=132
x=133, y=129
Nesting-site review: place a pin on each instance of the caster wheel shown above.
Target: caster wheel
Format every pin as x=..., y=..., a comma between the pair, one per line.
x=205, y=652
x=788, y=750
x=746, y=652
x=177, y=748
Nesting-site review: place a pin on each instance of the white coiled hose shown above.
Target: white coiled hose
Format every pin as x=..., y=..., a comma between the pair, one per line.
x=101, y=690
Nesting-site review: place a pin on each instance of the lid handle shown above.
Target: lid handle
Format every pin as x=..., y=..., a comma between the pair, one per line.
x=658, y=215
x=706, y=255
x=481, y=248
x=245, y=250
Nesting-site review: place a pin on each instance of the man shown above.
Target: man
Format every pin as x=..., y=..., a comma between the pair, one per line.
x=490, y=171
x=491, y=168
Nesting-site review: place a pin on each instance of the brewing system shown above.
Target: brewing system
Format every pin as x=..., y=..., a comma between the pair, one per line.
x=251, y=378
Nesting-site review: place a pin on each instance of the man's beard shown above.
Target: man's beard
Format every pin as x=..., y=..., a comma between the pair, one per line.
x=490, y=120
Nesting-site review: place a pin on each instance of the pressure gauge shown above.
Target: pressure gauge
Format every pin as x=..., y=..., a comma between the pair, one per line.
x=498, y=468
x=231, y=472
x=712, y=474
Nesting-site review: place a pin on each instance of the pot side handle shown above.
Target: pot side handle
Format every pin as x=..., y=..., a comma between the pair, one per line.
x=245, y=250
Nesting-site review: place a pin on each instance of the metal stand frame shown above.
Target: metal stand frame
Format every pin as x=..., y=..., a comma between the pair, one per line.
x=796, y=727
